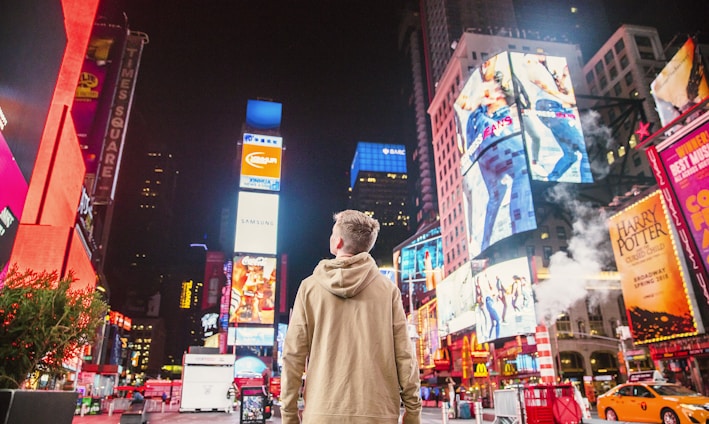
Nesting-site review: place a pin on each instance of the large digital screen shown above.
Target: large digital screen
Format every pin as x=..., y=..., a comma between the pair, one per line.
x=654, y=291
x=455, y=301
x=262, y=114
x=550, y=117
x=419, y=262
x=256, y=223
x=504, y=303
x=378, y=157
x=261, y=162
x=253, y=290
x=251, y=336
x=681, y=84
x=497, y=193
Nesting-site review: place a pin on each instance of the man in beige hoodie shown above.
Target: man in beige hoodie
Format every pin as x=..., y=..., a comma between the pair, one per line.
x=348, y=326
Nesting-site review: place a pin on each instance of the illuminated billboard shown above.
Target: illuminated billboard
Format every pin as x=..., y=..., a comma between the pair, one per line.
x=96, y=85
x=256, y=223
x=253, y=290
x=419, y=261
x=550, y=117
x=681, y=84
x=186, y=295
x=429, y=342
x=261, y=162
x=680, y=167
x=497, y=193
x=657, y=303
x=264, y=115
x=455, y=303
x=378, y=157
x=251, y=336
x=687, y=165
x=214, y=279
x=504, y=303
x=498, y=301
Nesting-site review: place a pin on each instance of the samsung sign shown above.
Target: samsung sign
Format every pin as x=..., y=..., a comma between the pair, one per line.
x=256, y=223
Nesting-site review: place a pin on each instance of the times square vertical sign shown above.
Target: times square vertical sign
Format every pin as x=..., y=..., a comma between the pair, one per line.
x=681, y=167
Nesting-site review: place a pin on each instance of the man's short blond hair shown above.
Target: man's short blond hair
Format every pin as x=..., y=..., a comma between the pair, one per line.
x=358, y=230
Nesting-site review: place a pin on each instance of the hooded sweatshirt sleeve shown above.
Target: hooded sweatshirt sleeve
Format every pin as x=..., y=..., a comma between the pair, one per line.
x=406, y=365
x=295, y=353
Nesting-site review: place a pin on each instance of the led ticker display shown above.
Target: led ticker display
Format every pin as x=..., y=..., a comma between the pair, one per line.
x=681, y=84
x=378, y=157
x=655, y=295
x=256, y=223
x=253, y=290
x=498, y=197
x=261, y=162
x=552, y=126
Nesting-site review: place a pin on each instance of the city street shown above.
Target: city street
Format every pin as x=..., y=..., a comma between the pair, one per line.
x=429, y=416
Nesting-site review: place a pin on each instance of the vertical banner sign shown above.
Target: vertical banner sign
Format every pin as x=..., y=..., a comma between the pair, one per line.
x=224, y=309
x=118, y=120
x=656, y=298
x=213, y=279
x=682, y=173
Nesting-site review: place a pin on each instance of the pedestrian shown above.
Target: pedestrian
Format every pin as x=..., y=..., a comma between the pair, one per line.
x=348, y=324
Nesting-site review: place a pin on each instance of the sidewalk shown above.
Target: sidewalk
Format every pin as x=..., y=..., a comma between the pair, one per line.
x=428, y=416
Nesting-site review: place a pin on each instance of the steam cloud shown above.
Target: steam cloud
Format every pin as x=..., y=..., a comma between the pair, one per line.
x=569, y=274
x=597, y=137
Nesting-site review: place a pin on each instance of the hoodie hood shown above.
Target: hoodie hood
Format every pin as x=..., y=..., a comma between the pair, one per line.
x=346, y=277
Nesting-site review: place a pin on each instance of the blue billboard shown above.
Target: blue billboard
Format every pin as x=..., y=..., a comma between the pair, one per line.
x=378, y=157
x=263, y=115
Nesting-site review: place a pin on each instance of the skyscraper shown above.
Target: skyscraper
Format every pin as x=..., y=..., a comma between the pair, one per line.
x=379, y=187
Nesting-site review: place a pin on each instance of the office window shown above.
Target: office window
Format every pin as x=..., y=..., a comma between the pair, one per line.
x=628, y=78
x=624, y=62
x=619, y=46
x=561, y=232
x=617, y=89
x=608, y=57
x=603, y=82
x=546, y=255
x=647, y=55
x=589, y=77
x=599, y=68
x=543, y=232
x=643, y=41
x=613, y=72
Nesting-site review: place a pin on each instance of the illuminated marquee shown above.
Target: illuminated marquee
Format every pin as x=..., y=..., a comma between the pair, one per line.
x=186, y=295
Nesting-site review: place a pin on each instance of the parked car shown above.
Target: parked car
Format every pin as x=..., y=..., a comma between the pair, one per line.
x=652, y=402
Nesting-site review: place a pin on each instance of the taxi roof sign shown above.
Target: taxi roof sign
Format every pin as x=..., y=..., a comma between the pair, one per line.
x=639, y=376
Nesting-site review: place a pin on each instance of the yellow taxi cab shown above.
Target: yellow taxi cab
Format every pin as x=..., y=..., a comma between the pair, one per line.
x=651, y=401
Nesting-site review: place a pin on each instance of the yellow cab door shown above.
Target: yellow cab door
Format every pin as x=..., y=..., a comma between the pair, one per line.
x=649, y=404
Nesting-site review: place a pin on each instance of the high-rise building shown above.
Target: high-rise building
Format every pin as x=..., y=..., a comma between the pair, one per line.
x=379, y=187
x=623, y=68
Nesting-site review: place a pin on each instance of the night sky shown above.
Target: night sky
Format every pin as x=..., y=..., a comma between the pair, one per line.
x=334, y=65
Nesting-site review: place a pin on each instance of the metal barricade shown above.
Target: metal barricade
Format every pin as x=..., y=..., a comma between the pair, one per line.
x=507, y=406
